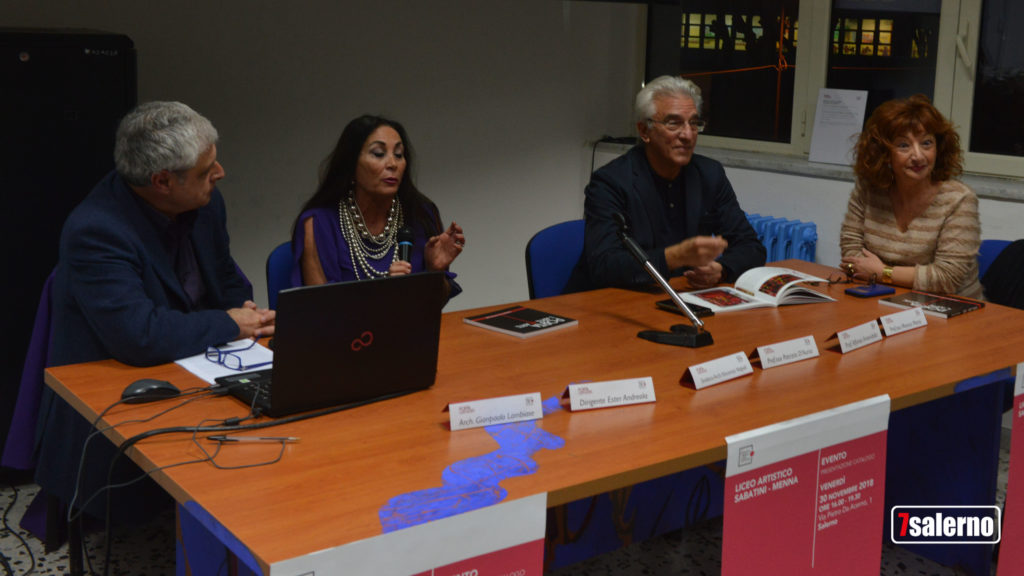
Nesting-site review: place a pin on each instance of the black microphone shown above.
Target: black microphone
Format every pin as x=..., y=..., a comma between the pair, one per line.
x=628, y=241
x=681, y=335
x=405, y=244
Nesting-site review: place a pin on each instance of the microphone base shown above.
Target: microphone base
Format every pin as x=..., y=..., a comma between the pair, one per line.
x=681, y=335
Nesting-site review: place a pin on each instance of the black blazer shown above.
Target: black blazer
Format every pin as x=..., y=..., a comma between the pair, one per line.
x=115, y=293
x=626, y=186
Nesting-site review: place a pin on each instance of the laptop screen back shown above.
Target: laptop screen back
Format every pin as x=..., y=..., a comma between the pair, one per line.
x=355, y=341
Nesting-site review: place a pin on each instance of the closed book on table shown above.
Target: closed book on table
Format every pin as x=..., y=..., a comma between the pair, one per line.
x=941, y=306
x=520, y=321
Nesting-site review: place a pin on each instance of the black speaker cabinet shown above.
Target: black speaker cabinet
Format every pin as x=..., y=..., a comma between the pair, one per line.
x=62, y=93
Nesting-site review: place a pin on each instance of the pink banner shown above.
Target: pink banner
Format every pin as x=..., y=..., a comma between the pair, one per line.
x=816, y=513
x=1011, y=552
x=523, y=560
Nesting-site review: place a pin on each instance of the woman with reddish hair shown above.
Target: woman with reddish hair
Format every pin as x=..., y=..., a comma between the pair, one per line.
x=909, y=222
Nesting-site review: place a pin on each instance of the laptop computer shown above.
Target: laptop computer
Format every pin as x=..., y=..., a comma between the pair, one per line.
x=349, y=342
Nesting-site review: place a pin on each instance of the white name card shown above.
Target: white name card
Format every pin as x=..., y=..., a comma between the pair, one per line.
x=591, y=395
x=718, y=370
x=491, y=411
x=903, y=321
x=859, y=336
x=787, y=352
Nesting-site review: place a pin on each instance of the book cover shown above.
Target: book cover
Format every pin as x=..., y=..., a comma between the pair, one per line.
x=933, y=304
x=520, y=321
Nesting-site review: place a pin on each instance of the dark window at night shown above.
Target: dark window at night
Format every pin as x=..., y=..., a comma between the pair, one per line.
x=889, y=54
x=742, y=55
x=997, y=122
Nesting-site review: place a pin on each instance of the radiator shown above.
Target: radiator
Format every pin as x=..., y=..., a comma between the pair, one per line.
x=784, y=238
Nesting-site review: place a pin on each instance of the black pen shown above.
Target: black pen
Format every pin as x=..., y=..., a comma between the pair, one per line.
x=253, y=438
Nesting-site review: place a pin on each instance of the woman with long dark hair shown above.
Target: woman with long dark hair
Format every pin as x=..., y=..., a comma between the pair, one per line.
x=351, y=227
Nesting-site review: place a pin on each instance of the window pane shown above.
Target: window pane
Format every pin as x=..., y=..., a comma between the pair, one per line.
x=998, y=116
x=888, y=48
x=744, y=63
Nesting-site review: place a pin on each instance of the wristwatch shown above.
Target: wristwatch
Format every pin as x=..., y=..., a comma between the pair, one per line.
x=887, y=275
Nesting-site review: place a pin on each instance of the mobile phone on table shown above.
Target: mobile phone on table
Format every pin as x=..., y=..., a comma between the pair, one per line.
x=698, y=310
x=870, y=290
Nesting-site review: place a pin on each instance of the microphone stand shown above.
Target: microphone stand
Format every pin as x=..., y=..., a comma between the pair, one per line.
x=681, y=335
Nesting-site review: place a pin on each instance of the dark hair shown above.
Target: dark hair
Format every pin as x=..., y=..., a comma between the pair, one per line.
x=337, y=172
x=895, y=118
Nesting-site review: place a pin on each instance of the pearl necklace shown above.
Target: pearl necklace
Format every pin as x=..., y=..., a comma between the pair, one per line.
x=364, y=246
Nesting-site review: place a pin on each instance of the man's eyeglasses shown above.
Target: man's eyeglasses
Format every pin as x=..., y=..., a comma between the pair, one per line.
x=229, y=358
x=675, y=124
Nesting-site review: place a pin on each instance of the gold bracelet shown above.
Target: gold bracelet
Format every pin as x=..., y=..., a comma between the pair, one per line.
x=887, y=275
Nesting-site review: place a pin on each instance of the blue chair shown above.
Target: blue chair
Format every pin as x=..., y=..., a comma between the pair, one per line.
x=551, y=255
x=279, y=272
x=783, y=238
x=988, y=252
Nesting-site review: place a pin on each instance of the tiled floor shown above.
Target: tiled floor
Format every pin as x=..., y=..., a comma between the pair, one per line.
x=149, y=550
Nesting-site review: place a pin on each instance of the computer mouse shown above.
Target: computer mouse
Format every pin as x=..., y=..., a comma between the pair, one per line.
x=148, y=390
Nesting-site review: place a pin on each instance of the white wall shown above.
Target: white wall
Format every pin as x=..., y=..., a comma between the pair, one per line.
x=798, y=198
x=501, y=101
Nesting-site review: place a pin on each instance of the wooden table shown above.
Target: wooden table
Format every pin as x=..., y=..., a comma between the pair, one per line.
x=328, y=488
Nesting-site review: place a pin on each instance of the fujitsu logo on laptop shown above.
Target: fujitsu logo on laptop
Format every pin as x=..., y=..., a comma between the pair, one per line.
x=364, y=340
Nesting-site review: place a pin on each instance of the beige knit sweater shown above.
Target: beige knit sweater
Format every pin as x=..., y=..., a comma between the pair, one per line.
x=942, y=243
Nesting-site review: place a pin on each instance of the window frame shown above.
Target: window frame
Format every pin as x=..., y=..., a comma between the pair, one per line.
x=962, y=84
x=953, y=93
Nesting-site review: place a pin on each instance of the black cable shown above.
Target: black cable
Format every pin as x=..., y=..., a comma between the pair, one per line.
x=128, y=443
x=107, y=530
x=24, y=544
x=195, y=393
x=609, y=140
x=224, y=562
x=189, y=395
x=211, y=458
x=108, y=525
x=257, y=426
x=6, y=564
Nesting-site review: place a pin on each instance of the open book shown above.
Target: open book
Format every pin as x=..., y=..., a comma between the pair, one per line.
x=763, y=287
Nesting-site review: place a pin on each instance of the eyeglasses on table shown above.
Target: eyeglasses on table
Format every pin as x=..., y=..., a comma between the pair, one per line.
x=230, y=358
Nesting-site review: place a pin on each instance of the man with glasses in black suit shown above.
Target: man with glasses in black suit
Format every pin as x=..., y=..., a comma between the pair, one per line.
x=679, y=206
